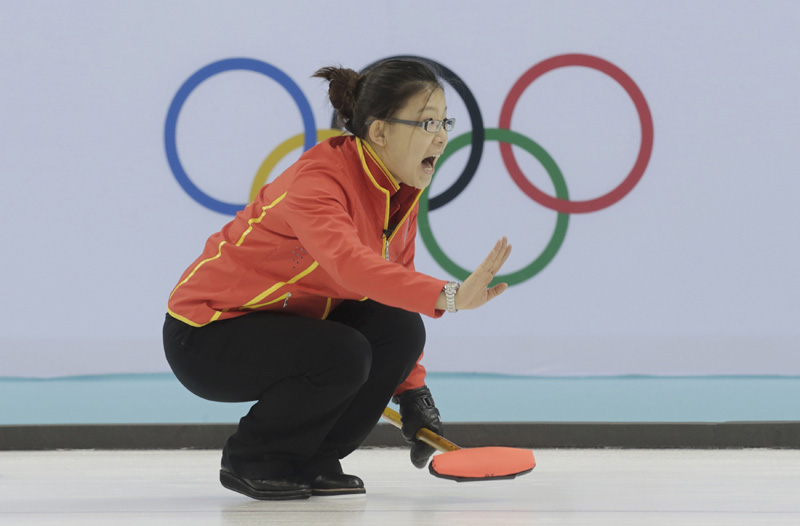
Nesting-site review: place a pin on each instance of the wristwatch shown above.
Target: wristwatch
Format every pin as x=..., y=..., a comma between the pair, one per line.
x=450, y=289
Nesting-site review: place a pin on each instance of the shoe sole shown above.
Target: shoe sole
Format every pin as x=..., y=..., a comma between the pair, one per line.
x=235, y=484
x=337, y=491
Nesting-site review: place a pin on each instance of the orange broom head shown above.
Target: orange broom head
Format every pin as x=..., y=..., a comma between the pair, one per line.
x=482, y=463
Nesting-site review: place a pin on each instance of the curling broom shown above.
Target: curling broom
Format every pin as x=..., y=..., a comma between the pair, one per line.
x=470, y=464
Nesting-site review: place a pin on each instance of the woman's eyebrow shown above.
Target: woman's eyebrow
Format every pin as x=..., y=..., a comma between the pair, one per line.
x=433, y=108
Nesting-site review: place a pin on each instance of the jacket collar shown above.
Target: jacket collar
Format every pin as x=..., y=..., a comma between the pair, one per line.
x=375, y=169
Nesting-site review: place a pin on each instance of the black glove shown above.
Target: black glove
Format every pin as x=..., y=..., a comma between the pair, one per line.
x=417, y=410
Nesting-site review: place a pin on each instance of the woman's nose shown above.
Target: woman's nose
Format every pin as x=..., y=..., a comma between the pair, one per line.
x=441, y=136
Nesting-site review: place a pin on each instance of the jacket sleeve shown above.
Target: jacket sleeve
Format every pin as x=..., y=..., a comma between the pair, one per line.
x=317, y=212
x=416, y=378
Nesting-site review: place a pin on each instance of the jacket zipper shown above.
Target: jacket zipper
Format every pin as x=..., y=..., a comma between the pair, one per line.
x=286, y=300
x=387, y=234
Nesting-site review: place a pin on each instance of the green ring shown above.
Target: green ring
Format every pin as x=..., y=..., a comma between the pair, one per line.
x=560, y=185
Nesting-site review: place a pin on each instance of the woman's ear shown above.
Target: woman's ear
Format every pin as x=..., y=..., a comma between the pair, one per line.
x=376, y=132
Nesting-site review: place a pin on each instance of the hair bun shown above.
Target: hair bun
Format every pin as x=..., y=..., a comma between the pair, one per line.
x=343, y=85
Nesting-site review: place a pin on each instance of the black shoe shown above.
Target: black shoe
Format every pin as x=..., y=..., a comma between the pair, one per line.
x=267, y=489
x=337, y=484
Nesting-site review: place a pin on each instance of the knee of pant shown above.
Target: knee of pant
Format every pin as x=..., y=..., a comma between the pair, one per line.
x=354, y=360
x=410, y=332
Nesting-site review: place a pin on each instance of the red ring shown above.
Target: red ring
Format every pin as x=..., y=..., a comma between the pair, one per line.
x=646, y=120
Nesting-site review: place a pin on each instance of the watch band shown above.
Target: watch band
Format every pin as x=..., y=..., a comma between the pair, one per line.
x=450, y=289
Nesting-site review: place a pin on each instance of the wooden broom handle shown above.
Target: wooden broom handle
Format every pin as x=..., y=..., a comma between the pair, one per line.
x=423, y=435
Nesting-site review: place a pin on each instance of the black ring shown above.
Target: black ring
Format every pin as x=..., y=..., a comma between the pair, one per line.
x=478, y=131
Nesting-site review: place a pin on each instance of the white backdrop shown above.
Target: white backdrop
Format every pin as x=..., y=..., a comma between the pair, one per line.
x=692, y=272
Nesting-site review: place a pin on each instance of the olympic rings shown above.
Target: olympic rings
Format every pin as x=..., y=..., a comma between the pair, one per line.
x=474, y=138
x=549, y=252
x=646, y=147
x=186, y=89
x=475, y=118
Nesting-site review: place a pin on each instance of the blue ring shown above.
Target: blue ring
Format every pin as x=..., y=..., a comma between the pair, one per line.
x=309, y=126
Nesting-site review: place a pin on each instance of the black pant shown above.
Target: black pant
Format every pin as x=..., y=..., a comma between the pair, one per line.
x=320, y=386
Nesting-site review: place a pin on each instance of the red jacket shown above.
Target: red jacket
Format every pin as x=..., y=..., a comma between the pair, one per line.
x=334, y=226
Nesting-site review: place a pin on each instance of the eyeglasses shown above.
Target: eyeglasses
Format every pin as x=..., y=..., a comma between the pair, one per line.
x=429, y=125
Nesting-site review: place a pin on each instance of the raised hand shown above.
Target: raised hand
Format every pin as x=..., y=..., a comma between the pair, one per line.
x=474, y=292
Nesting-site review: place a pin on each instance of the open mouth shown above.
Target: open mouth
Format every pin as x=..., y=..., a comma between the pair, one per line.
x=428, y=163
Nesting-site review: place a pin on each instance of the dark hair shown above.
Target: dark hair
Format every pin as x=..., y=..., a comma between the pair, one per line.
x=378, y=92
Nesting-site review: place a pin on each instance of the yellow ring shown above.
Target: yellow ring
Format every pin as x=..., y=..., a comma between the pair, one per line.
x=280, y=152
